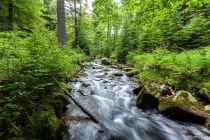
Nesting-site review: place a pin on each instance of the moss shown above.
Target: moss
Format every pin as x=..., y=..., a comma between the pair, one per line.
x=84, y=84
x=132, y=73
x=207, y=111
x=56, y=104
x=112, y=77
x=65, y=86
x=207, y=85
x=183, y=106
x=45, y=125
x=147, y=98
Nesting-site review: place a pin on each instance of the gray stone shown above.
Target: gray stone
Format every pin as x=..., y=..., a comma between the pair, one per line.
x=183, y=106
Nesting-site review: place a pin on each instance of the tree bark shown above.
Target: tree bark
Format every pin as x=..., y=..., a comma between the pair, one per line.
x=76, y=24
x=61, y=22
x=10, y=16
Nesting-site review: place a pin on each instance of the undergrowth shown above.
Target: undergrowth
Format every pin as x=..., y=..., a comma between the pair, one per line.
x=29, y=65
x=187, y=70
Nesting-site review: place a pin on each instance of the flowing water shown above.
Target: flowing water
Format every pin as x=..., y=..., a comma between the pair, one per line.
x=111, y=100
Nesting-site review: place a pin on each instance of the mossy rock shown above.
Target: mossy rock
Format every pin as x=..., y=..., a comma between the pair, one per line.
x=183, y=106
x=148, y=97
x=105, y=61
x=114, y=66
x=85, y=84
x=132, y=73
x=45, y=125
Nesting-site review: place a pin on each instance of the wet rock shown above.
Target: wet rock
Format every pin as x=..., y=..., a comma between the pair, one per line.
x=100, y=75
x=183, y=106
x=85, y=84
x=98, y=67
x=114, y=66
x=105, y=61
x=85, y=91
x=165, y=90
x=118, y=74
x=148, y=97
x=105, y=69
x=138, y=89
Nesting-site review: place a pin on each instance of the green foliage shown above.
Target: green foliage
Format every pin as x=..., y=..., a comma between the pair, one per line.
x=26, y=15
x=29, y=65
x=186, y=70
x=52, y=125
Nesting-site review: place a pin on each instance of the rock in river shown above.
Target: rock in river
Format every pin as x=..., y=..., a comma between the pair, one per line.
x=148, y=97
x=183, y=106
x=105, y=61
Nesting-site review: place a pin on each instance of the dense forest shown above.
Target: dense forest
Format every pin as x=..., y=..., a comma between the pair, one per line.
x=43, y=41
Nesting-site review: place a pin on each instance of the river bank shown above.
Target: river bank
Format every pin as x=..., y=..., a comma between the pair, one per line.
x=107, y=93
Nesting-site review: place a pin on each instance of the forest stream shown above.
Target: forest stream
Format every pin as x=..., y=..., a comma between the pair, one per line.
x=111, y=101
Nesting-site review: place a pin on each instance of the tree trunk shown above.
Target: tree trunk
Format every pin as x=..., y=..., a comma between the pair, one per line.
x=61, y=22
x=10, y=16
x=108, y=29
x=76, y=25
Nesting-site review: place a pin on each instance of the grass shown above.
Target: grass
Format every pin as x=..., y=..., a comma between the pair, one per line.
x=182, y=69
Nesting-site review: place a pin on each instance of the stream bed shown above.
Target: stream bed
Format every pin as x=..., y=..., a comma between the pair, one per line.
x=107, y=94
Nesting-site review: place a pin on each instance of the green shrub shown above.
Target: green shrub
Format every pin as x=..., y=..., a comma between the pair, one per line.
x=29, y=65
x=186, y=70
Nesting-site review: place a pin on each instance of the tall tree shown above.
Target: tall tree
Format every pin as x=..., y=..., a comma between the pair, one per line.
x=10, y=17
x=76, y=24
x=61, y=22
x=21, y=15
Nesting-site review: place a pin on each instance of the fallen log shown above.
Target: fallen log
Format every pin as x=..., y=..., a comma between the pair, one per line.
x=78, y=104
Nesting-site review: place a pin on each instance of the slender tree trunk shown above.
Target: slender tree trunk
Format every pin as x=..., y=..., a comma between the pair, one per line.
x=80, y=21
x=61, y=22
x=115, y=35
x=76, y=25
x=10, y=16
x=108, y=29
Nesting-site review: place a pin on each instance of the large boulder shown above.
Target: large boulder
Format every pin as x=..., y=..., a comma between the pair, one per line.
x=183, y=106
x=105, y=61
x=148, y=97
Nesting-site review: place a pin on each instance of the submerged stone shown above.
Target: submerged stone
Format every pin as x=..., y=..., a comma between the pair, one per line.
x=183, y=106
x=118, y=74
